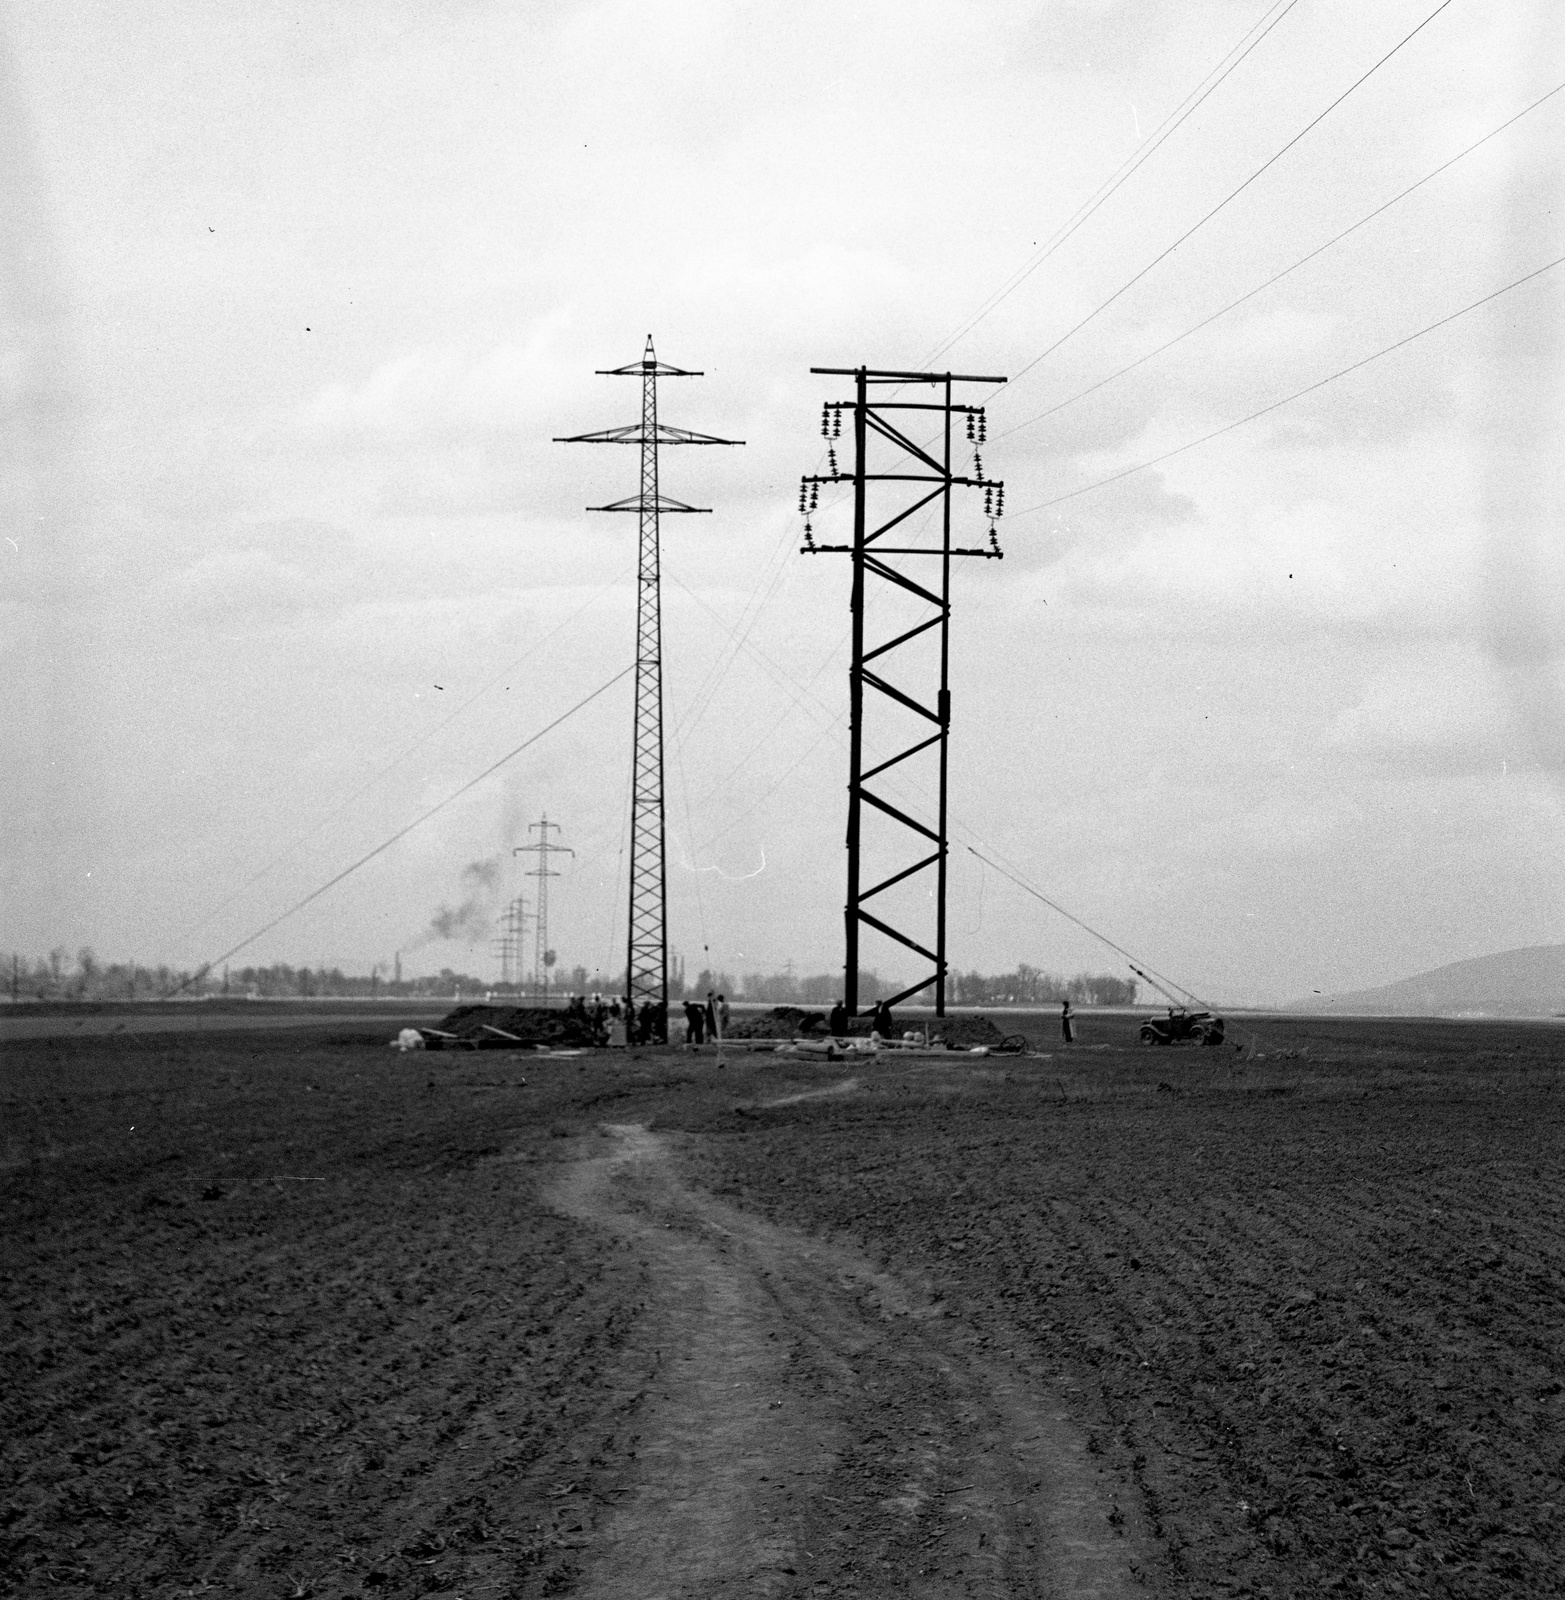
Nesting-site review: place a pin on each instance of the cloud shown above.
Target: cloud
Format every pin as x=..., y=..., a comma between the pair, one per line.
x=452, y=390
x=1424, y=715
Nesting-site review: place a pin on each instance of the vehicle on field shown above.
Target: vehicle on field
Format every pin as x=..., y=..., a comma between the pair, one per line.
x=1183, y=1026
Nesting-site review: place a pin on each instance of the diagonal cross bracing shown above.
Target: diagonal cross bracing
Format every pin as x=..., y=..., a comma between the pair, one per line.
x=880, y=504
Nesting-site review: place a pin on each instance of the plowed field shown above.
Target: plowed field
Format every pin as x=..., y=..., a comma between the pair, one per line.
x=289, y=1314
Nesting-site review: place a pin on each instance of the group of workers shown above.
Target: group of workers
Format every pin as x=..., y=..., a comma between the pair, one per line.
x=648, y=1023
x=881, y=1021
x=708, y=1021
x=614, y=1024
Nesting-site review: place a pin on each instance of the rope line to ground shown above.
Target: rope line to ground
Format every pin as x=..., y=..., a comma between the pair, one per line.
x=1140, y=968
x=401, y=833
x=445, y=722
x=916, y=796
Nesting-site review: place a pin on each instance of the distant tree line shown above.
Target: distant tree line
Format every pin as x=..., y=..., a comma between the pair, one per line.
x=1032, y=986
x=1025, y=986
x=62, y=976
x=821, y=989
x=280, y=981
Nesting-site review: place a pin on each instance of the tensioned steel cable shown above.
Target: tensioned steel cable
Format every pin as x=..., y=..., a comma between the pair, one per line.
x=776, y=783
x=907, y=789
x=768, y=735
x=1227, y=199
x=760, y=596
x=903, y=788
x=401, y=756
x=1298, y=394
x=1143, y=969
x=1170, y=124
x=1206, y=322
x=401, y=833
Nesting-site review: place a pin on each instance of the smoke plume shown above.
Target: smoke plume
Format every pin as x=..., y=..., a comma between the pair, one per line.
x=473, y=918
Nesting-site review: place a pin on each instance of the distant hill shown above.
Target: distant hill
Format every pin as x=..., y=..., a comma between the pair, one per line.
x=1513, y=983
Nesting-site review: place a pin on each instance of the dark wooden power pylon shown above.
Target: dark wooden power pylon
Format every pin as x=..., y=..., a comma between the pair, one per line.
x=646, y=966
x=916, y=476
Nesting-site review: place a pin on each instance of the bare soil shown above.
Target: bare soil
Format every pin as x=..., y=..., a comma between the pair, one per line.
x=287, y=1313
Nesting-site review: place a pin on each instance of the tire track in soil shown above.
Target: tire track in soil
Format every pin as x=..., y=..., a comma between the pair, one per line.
x=810, y=1421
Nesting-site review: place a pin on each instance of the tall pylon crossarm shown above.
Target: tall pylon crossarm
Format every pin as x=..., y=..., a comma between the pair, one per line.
x=646, y=965
x=918, y=478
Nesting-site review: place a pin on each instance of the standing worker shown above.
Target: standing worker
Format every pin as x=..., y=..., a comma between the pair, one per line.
x=1067, y=1022
x=722, y=1017
x=838, y=1021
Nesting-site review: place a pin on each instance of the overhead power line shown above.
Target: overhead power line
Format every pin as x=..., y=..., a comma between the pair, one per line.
x=401, y=755
x=1232, y=305
x=1298, y=394
x=1170, y=124
x=1229, y=198
x=401, y=833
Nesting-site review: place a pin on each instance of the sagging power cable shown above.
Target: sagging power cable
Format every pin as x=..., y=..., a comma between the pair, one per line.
x=1226, y=200
x=369, y=783
x=1250, y=294
x=1122, y=174
x=1298, y=394
x=401, y=833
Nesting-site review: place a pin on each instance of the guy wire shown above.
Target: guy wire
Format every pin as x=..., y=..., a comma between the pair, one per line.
x=401, y=833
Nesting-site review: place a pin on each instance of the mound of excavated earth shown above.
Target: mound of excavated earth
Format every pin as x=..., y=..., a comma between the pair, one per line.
x=494, y=1027
x=781, y=1022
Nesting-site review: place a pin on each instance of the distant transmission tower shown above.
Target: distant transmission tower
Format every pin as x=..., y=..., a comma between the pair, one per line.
x=543, y=956
x=646, y=965
x=513, y=928
x=917, y=477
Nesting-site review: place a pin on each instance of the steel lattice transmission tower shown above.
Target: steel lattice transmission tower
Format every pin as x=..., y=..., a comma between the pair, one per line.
x=912, y=478
x=513, y=928
x=543, y=956
x=646, y=964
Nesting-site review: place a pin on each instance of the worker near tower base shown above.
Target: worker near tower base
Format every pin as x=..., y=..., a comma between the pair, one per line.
x=838, y=1021
x=884, y=1024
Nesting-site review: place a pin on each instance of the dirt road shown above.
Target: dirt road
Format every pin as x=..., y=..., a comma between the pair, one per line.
x=806, y=1419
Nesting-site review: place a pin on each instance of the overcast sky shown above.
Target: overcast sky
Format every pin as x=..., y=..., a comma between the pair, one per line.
x=296, y=296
